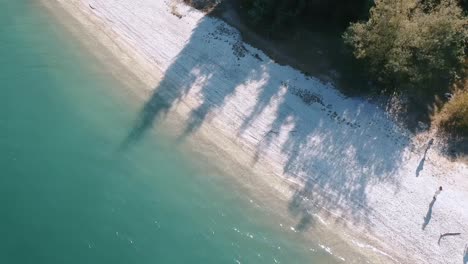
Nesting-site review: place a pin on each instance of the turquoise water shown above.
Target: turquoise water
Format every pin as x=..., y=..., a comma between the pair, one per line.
x=69, y=194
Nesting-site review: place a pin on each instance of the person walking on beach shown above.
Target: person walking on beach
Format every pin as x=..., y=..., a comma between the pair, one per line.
x=437, y=192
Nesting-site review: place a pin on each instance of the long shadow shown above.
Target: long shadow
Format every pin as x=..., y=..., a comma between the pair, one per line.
x=423, y=160
x=195, y=69
x=465, y=255
x=340, y=156
x=299, y=206
x=420, y=166
x=428, y=216
x=334, y=149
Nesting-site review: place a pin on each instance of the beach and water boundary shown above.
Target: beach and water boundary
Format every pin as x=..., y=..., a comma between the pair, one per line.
x=73, y=193
x=205, y=145
x=209, y=145
x=150, y=74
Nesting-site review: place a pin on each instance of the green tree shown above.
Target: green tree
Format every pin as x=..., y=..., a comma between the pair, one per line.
x=412, y=45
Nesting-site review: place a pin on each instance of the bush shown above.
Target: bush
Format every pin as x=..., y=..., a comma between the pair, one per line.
x=454, y=115
x=411, y=45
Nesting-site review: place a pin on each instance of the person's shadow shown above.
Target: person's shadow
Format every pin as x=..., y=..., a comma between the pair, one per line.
x=421, y=163
x=465, y=255
x=428, y=216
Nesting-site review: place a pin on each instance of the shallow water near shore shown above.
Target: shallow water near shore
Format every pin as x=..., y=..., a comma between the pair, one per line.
x=70, y=193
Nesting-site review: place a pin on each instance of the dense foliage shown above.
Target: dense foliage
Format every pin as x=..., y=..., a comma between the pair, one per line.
x=279, y=14
x=416, y=47
x=411, y=45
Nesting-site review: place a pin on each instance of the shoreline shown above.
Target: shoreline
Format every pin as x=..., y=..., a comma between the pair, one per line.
x=220, y=127
x=207, y=150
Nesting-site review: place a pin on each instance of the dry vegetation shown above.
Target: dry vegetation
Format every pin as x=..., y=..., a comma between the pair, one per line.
x=453, y=117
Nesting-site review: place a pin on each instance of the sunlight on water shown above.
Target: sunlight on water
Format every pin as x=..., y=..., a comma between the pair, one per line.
x=70, y=194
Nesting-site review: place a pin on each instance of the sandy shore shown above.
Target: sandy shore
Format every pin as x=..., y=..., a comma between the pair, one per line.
x=354, y=169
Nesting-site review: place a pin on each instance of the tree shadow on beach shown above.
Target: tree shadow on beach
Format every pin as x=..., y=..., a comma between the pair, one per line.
x=336, y=151
x=213, y=79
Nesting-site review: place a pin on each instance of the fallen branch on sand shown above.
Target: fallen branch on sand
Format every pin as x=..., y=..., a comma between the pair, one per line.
x=447, y=234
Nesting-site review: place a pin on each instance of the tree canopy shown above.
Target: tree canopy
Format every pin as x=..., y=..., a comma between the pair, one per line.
x=412, y=45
